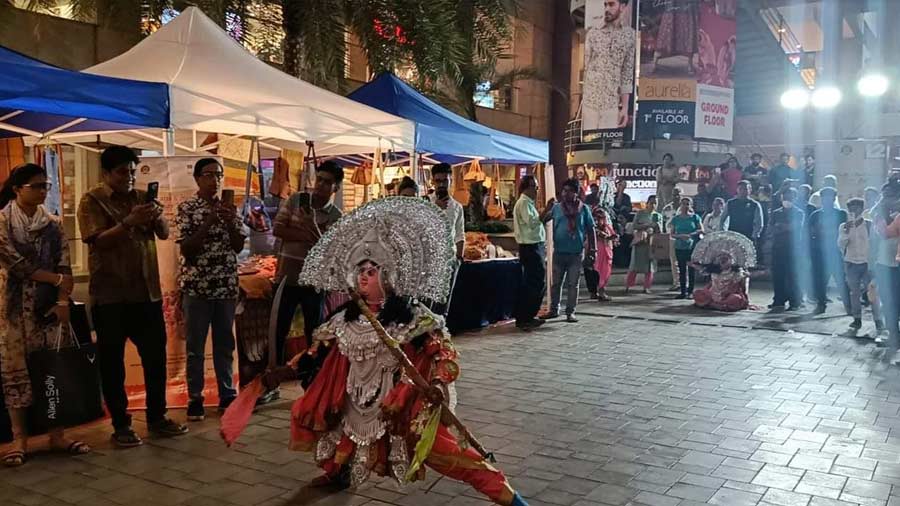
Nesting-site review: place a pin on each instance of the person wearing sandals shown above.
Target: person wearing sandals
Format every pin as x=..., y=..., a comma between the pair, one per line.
x=120, y=226
x=34, y=275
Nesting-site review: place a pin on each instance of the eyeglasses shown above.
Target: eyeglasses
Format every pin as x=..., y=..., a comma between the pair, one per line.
x=39, y=186
x=217, y=175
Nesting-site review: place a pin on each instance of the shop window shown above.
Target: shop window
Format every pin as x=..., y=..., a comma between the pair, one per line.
x=494, y=98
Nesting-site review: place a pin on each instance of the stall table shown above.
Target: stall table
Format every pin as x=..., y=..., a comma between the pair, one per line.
x=486, y=292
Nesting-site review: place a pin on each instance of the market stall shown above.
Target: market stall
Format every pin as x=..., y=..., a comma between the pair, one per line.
x=486, y=286
x=210, y=92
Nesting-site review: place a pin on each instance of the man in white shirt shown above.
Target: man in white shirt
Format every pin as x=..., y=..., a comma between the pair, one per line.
x=440, y=179
x=853, y=241
x=828, y=181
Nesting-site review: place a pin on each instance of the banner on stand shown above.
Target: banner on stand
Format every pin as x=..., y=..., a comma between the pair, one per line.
x=607, y=111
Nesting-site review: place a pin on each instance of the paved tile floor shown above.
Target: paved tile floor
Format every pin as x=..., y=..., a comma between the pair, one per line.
x=614, y=410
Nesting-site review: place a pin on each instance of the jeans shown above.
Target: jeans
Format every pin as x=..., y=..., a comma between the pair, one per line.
x=685, y=274
x=857, y=281
x=200, y=315
x=784, y=278
x=532, y=257
x=888, y=281
x=144, y=324
x=566, y=269
x=826, y=265
x=311, y=302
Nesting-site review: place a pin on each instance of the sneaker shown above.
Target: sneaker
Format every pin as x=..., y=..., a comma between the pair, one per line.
x=857, y=324
x=794, y=308
x=647, y=291
x=223, y=404
x=776, y=307
x=895, y=360
x=195, y=411
x=818, y=310
x=167, y=428
x=126, y=438
x=674, y=288
x=530, y=324
x=570, y=318
x=681, y=296
x=549, y=316
x=604, y=297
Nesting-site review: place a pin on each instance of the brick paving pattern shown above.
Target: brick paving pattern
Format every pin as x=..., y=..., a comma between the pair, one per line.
x=610, y=411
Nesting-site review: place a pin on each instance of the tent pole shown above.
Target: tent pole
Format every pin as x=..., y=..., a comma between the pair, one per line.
x=249, y=175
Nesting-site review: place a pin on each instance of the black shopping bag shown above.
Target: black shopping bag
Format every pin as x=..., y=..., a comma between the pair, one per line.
x=65, y=385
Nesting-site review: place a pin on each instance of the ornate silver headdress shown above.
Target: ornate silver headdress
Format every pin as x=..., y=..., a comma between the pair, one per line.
x=409, y=237
x=713, y=244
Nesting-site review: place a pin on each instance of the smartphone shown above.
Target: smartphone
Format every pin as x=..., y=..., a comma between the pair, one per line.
x=228, y=197
x=152, y=191
x=304, y=199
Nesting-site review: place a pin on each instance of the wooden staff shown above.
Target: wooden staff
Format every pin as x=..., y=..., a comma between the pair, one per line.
x=394, y=347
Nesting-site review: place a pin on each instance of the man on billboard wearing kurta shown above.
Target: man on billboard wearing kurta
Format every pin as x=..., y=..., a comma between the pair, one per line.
x=609, y=66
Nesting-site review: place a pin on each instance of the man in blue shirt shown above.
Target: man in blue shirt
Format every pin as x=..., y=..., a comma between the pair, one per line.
x=572, y=226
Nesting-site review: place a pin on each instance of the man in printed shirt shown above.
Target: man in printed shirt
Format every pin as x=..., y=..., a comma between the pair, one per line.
x=531, y=236
x=300, y=222
x=120, y=227
x=209, y=233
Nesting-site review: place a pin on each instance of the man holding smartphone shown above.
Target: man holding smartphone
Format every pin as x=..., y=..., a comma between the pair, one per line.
x=209, y=233
x=440, y=179
x=120, y=228
x=300, y=222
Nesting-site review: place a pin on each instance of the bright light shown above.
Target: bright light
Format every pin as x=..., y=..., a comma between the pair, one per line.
x=826, y=97
x=795, y=98
x=872, y=85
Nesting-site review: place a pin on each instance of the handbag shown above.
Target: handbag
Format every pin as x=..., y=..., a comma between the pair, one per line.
x=363, y=175
x=65, y=384
x=460, y=188
x=495, y=211
x=474, y=173
x=659, y=246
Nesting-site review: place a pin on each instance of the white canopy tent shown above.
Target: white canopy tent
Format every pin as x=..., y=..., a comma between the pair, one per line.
x=217, y=86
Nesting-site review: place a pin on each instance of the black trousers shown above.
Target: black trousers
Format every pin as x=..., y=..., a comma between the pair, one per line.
x=144, y=324
x=686, y=274
x=533, y=258
x=592, y=280
x=311, y=302
x=827, y=265
x=784, y=278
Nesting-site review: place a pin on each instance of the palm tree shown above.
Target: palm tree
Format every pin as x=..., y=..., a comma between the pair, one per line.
x=447, y=48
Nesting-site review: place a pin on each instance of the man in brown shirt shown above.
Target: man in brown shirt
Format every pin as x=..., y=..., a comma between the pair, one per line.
x=120, y=226
x=300, y=222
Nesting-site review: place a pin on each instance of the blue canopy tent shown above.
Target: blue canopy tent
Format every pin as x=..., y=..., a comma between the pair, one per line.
x=443, y=133
x=40, y=100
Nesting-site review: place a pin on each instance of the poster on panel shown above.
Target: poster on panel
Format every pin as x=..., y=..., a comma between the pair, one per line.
x=609, y=70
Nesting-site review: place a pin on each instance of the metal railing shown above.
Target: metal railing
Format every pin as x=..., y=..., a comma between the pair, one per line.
x=790, y=44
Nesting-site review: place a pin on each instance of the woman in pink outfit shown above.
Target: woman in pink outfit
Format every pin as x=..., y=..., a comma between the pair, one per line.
x=606, y=240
